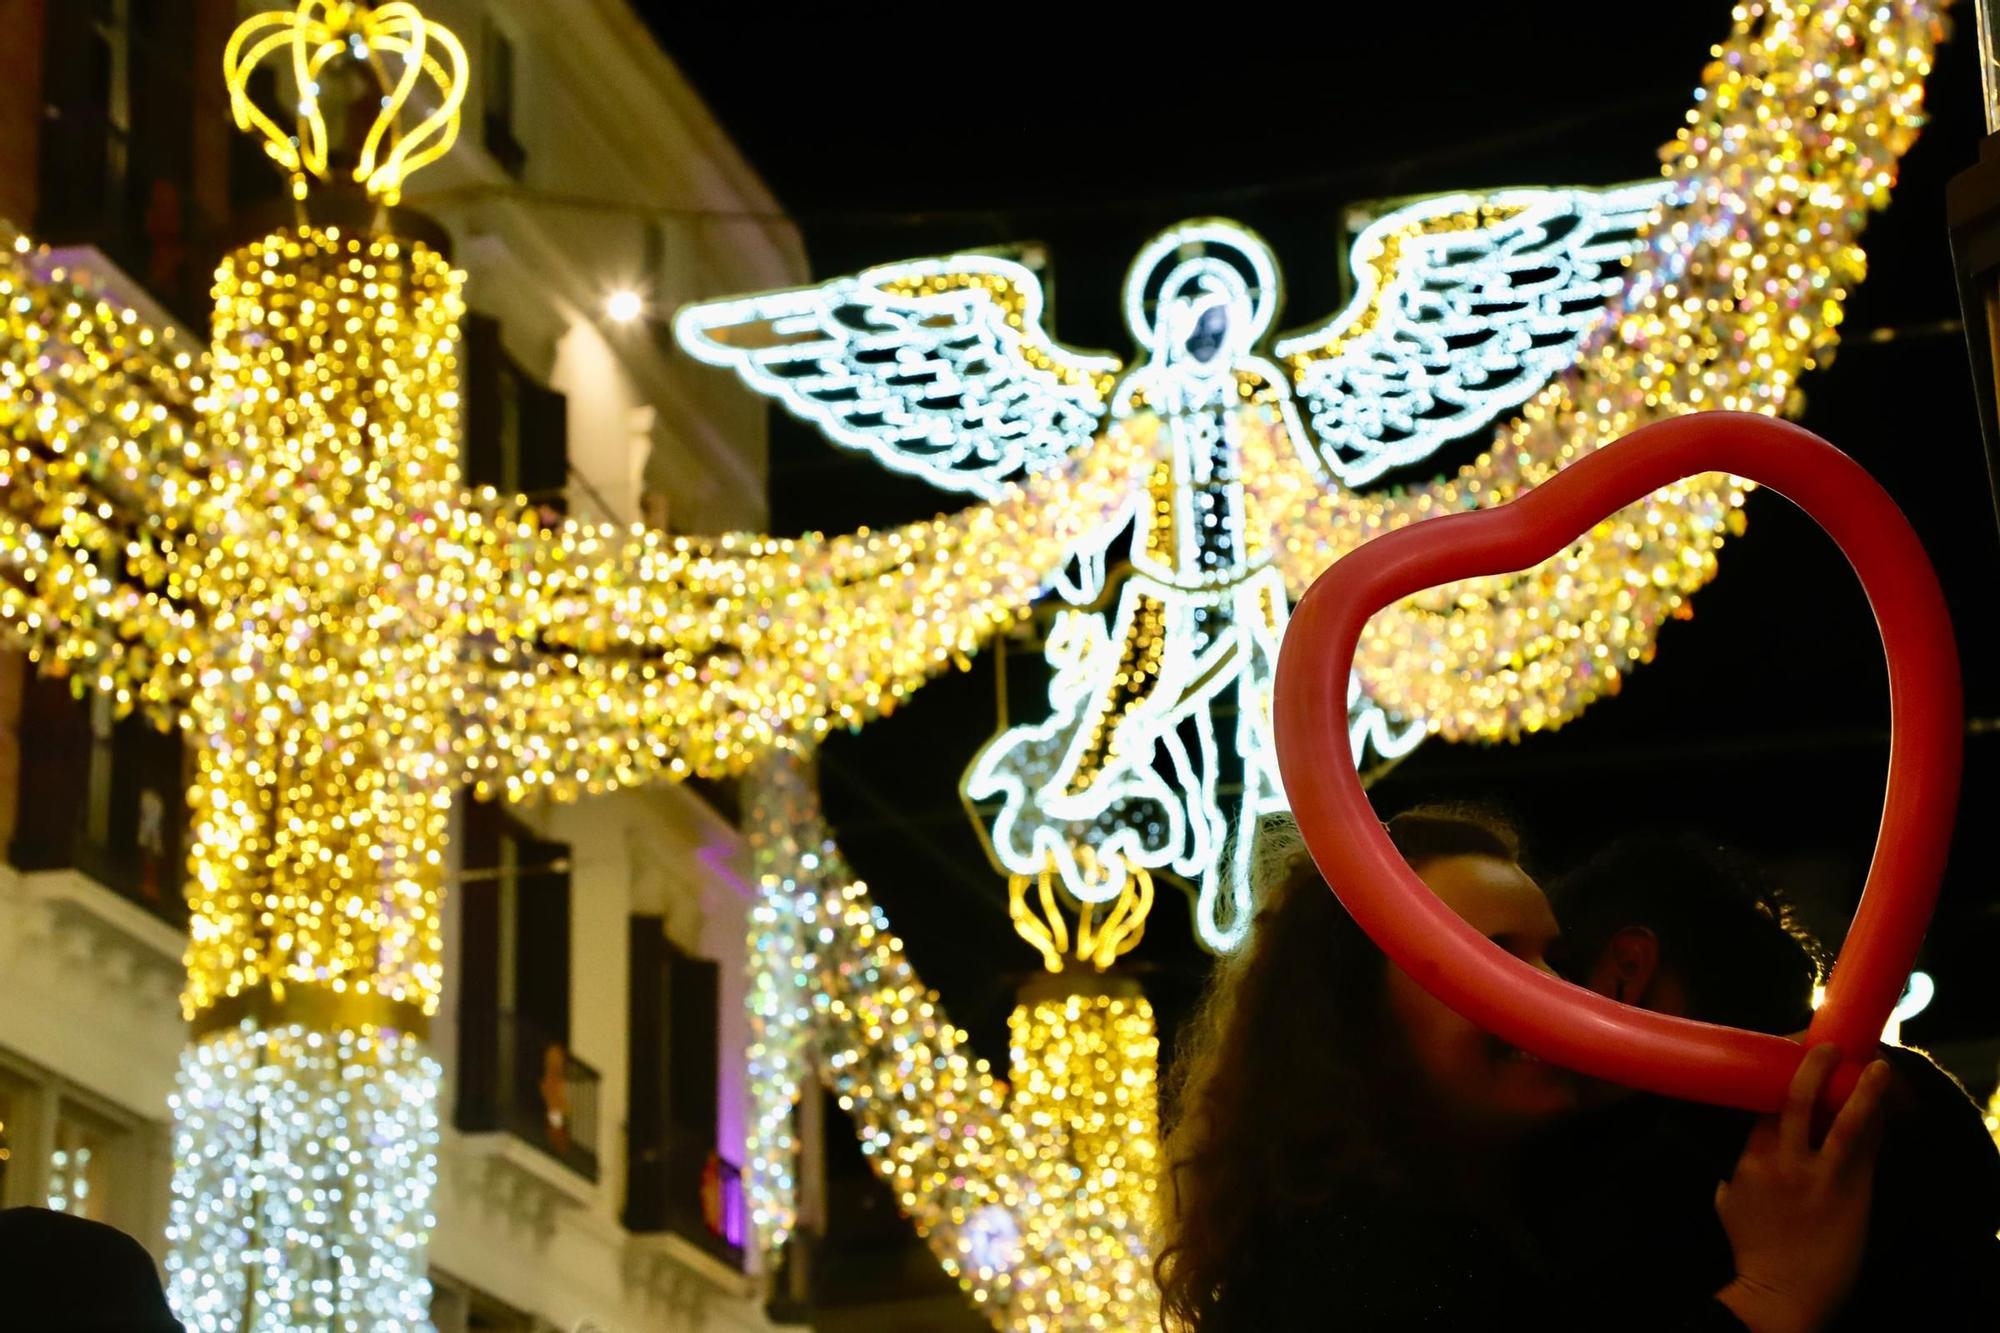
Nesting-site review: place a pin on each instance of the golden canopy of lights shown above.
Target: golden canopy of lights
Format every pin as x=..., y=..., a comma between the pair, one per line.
x=1793, y=140
x=404, y=61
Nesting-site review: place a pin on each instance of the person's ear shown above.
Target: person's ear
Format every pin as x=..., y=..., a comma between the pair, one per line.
x=1627, y=966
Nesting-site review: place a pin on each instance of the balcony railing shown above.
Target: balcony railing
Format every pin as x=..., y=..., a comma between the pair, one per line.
x=107, y=803
x=689, y=1191
x=518, y=1079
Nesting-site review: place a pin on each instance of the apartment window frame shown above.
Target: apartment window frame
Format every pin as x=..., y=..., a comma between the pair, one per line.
x=515, y=973
x=46, y=1114
x=500, y=100
x=516, y=430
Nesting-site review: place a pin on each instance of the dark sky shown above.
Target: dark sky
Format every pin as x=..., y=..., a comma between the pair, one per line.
x=1763, y=720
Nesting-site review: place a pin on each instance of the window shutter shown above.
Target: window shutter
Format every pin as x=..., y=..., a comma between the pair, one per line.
x=478, y=974
x=646, y=1109
x=55, y=764
x=482, y=458
x=692, y=988
x=545, y=447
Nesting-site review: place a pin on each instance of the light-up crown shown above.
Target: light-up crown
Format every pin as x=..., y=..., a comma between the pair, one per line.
x=391, y=45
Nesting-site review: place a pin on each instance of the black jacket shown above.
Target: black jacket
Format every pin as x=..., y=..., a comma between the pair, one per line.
x=1392, y=1260
x=1623, y=1202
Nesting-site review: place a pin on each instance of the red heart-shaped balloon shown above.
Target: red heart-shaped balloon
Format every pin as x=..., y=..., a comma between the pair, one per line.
x=1550, y=1018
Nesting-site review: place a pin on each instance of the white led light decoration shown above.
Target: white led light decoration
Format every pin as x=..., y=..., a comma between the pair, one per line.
x=1465, y=307
x=1918, y=992
x=938, y=367
x=321, y=1148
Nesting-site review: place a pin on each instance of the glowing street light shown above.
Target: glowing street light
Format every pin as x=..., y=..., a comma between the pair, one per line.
x=624, y=306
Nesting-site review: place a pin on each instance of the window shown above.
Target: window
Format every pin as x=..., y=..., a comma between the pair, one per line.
x=677, y=1181
x=10, y=1117
x=516, y=1072
x=516, y=431
x=86, y=142
x=63, y=1149
x=108, y=797
x=117, y=151
x=77, y=1163
x=498, y=122
x=457, y=1307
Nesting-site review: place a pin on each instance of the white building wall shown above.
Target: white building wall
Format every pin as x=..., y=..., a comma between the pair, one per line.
x=89, y=1014
x=616, y=145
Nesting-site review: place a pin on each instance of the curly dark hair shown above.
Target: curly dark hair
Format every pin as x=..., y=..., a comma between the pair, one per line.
x=1729, y=933
x=1289, y=1086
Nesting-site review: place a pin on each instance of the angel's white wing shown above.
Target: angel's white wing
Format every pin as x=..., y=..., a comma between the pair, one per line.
x=1465, y=306
x=938, y=367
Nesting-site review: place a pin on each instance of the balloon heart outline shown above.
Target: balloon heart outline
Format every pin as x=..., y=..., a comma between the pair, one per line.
x=1553, y=1019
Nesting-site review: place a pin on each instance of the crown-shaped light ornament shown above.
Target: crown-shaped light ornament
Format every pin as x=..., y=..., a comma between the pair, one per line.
x=393, y=45
x=1042, y=906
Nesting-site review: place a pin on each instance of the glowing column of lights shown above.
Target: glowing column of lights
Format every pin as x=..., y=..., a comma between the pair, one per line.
x=830, y=988
x=307, y=1105
x=304, y=1167
x=1085, y=1056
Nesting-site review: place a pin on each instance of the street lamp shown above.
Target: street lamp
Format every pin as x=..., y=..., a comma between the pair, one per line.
x=624, y=306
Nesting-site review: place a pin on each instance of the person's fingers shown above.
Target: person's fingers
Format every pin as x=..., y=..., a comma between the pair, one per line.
x=1857, y=1130
x=1795, y=1121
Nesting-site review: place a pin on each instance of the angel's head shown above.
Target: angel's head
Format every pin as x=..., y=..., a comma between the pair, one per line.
x=1201, y=318
x=1201, y=296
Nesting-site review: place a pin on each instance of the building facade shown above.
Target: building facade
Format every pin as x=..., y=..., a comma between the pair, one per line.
x=591, y=1028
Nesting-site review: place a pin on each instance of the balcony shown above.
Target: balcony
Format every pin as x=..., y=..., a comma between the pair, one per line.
x=101, y=797
x=687, y=1190
x=517, y=1079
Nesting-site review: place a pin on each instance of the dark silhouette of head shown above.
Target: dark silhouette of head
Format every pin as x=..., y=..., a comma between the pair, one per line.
x=1680, y=925
x=59, y=1272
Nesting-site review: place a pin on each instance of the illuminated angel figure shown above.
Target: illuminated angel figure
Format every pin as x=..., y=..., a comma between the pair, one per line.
x=1158, y=741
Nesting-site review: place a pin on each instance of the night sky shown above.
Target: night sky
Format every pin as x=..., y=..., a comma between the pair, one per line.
x=1763, y=720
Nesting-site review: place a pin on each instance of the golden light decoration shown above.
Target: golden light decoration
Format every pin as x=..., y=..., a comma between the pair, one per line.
x=1803, y=115
x=1738, y=291
x=1038, y=1197
x=372, y=37
x=270, y=547
x=1100, y=940
x=659, y=656
x=324, y=772
x=1262, y=456
x=1085, y=1105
